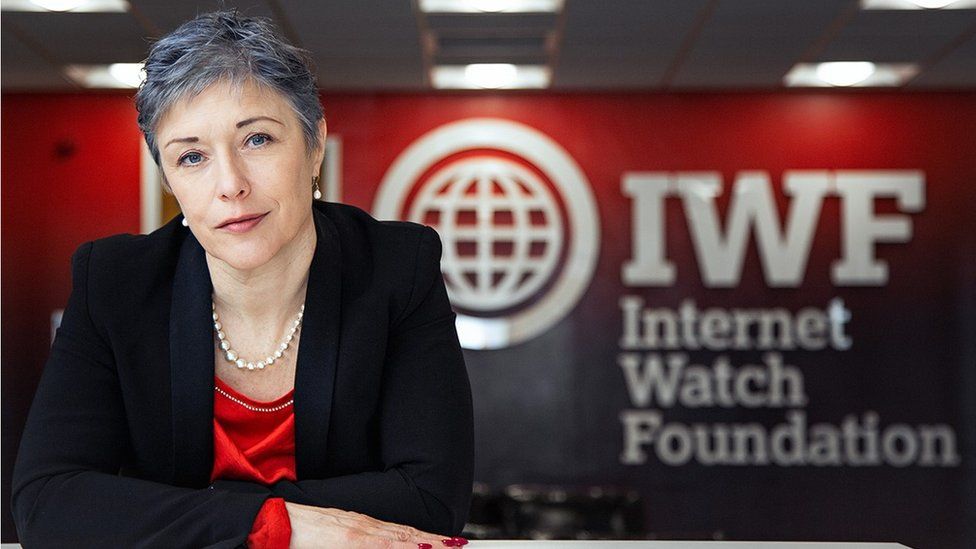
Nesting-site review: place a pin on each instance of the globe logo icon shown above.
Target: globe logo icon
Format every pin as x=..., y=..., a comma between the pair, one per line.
x=517, y=221
x=501, y=230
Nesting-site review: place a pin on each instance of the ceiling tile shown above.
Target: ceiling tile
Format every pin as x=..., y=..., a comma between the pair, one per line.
x=897, y=36
x=622, y=44
x=956, y=70
x=628, y=43
x=365, y=28
x=166, y=15
x=754, y=43
x=479, y=24
x=24, y=69
x=369, y=74
x=491, y=50
x=86, y=38
x=367, y=43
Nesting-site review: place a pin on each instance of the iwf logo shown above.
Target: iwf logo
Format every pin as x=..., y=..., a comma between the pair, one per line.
x=516, y=217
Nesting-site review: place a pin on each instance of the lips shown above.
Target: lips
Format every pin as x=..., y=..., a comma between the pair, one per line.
x=242, y=224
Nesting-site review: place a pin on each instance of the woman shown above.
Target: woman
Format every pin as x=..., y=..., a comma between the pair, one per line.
x=268, y=370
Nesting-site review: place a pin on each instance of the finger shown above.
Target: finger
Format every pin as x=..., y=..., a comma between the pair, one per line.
x=412, y=545
x=380, y=539
x=401, y=532
x=382, y=530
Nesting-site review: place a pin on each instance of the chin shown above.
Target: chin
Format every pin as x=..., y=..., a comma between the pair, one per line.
x=247, y=263
x=245, y=256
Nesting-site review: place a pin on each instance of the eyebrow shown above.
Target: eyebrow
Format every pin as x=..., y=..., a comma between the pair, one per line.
x=254, y=119
x=182, y=140
x=240, y=124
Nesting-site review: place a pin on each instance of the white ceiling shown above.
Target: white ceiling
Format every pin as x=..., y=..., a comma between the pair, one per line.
x=592, y=45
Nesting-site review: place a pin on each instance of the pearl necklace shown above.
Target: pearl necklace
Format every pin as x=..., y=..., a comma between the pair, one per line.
x=232, y=356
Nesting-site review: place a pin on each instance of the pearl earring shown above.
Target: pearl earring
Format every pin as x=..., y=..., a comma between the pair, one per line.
x=185, y=222
x=317, y=194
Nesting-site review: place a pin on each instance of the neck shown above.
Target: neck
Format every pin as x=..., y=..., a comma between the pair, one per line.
x=272, y=291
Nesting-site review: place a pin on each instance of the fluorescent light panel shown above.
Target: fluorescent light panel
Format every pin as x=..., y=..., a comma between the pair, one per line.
x=67, y=6
x=116, y=75
x=491, y=6
x=818, y=75
x=918, y=4
x=490, y=76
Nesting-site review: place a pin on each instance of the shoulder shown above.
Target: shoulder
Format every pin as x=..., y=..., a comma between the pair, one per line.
x=384, y=241
x=401, y=259
x=130, y=255
x=124, y=267
x=390, y=233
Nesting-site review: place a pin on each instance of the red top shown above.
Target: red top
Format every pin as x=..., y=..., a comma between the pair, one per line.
x=256, y=446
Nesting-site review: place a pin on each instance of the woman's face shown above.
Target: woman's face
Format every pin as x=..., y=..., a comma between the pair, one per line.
x=235, y=158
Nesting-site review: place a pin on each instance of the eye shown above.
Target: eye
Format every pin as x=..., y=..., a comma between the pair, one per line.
x=259, y=139
x=190, y=159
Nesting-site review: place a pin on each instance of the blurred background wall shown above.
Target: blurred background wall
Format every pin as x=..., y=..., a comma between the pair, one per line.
x=722, y=299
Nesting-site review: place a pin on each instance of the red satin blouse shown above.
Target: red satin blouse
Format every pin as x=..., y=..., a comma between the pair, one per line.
x=255, y=442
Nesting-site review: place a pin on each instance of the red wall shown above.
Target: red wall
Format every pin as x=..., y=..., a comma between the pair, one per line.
x=70, y=173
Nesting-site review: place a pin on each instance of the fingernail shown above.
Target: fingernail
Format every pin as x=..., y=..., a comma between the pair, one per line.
x=454, y=542
x=424, y=546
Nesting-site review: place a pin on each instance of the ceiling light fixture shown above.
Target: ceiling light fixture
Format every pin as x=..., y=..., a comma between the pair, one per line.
x=491, y=6
x=67, y=6
x=932, y=4
x=130, y=74
x=918, y=4
x=849, y=74
x=490, y=76
x=845, y=73
x=116, y=75
x=58, y=5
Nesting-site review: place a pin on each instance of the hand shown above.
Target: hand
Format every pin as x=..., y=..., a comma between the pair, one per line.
x=315, y=527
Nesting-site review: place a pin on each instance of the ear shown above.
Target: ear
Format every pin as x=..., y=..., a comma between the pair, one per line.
x=164, y=182
x=320, y=150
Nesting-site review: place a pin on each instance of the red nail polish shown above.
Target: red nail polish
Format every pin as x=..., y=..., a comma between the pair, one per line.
x=450, y=542
x=459, y=541
x=424, y=546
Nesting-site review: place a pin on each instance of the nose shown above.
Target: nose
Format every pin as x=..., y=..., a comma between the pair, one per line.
x=232, y=180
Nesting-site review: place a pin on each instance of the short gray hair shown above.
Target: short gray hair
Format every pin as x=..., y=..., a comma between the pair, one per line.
x=225, y=45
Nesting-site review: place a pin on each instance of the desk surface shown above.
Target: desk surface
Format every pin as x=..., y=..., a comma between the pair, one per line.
x=517, y=544
x=521, y=544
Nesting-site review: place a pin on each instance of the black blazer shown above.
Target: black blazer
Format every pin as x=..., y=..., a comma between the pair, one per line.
x=118, y=447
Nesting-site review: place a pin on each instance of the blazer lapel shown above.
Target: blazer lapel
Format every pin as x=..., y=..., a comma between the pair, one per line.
x=192, y=359
x=192, y=367
x=318, y=351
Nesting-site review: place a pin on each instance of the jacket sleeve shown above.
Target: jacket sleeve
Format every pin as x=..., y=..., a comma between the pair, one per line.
x=67, y=491
x=426, y=425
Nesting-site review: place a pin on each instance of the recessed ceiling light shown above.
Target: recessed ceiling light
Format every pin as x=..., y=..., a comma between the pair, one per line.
x=72, y=6
x=932, y=4
x=58, y=5
x=116, y=75
x=845, y=73
x=490, y=76
x=130, y=74
x=491, y=6
x=918, y=4
x=850, y=74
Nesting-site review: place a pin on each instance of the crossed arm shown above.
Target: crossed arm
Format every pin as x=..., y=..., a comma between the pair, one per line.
x=67, y=489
